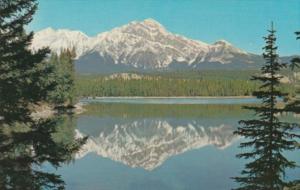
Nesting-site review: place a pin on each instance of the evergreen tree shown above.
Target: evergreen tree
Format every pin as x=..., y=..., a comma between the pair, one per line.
x=266, y=134
x=25, y=80
x=64, y=93
x=23, y=75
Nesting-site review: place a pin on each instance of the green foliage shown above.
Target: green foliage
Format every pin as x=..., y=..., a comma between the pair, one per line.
x=207, y=84
x=26, y=80
x=267, y=134
x=23, y=74
x=205, y=74
x=64, y=92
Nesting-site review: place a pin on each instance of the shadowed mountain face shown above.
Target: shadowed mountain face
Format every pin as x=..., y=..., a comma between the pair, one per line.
x=148, y=143
x=144, y=45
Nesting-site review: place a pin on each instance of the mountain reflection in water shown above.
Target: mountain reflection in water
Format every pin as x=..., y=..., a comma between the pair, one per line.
x=148, y=143
x=146, y=135
x=25, y=148
x=129, y=147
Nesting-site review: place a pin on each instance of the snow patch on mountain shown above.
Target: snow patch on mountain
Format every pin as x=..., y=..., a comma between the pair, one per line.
x=57, y=40
x=144, y=44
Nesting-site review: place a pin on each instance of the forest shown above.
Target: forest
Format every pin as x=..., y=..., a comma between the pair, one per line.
x=195, y=83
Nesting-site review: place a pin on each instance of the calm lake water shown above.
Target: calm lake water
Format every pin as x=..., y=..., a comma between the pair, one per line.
x=159, y=144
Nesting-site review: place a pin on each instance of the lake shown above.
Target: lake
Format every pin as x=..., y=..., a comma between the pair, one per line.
x=159, y=144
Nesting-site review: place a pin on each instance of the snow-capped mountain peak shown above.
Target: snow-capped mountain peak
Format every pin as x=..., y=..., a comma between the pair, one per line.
x=139, y=44
x=222, y=43
x=152, y=23
x=46, y=31
x=61, y=39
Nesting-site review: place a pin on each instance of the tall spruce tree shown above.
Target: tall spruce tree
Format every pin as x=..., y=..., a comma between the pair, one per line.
x=266, y=134
x=26, y=143
x=23, y=75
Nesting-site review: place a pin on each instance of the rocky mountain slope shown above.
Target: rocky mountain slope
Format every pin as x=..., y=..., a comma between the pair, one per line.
x=143, y=45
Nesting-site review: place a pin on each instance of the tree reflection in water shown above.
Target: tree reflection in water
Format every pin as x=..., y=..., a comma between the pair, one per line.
x=25, y=148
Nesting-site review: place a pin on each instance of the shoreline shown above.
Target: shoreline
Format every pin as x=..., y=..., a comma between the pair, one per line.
x=168, y=97
x=172, y=100
x=46, y=111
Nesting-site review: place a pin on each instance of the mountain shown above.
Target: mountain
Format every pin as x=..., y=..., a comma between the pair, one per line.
x=148, y=143
x=61, y=39
x=144, y=45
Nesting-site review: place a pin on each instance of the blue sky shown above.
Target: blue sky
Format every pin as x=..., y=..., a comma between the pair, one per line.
x=241, y=22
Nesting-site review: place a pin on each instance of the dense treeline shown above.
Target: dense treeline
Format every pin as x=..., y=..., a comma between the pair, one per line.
x=64, y=75
x=164, y=86
x=206, y=74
